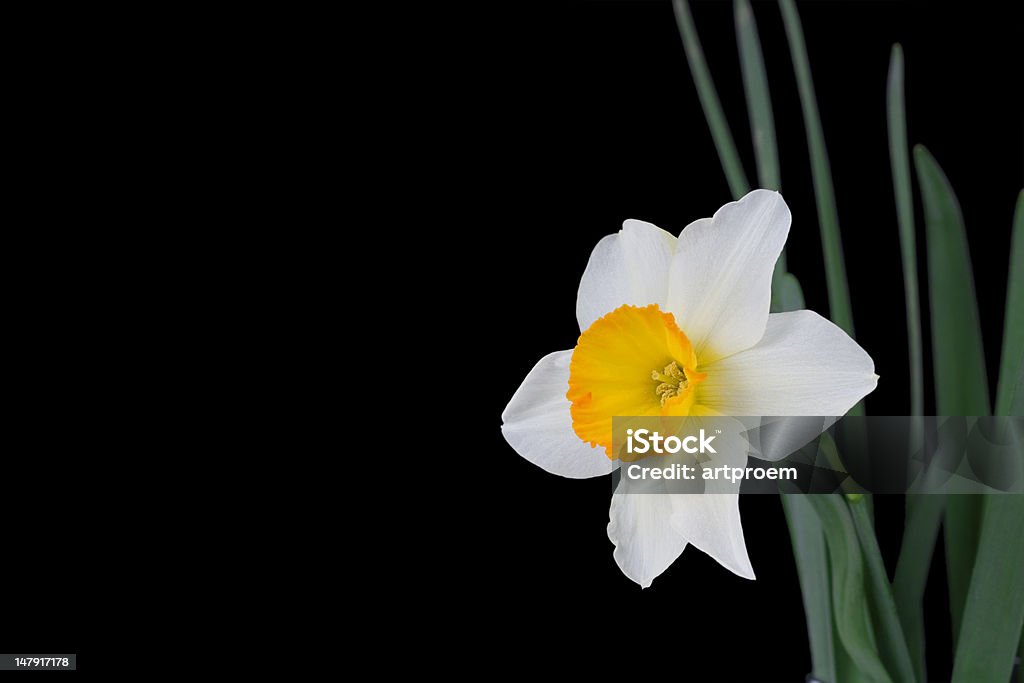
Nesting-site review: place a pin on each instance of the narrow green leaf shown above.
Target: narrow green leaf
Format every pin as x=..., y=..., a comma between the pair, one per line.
x=961, y=526
x=899, y=157
x=759, y=109
x=1011, y=367
x=1020, y=656
x=995, y=603
x=892, y=644
x=759, y=103
x=920, y=529
x=852, y=615
x=1010, y=392
x=924, y=512
x=808, y=539
x=787, y=295
x=717, y=122
x=828, y=218
x=846, y=668
x=812, y=567
x=961, y=386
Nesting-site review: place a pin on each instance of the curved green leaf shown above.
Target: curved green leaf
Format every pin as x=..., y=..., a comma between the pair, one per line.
x=849, y=599
x=1009, y=398
x=787, y=295
x=812, y=567
x=899, y=157
x=995, y=603
x=924, y=512
x=717, y=122
x=961, y=386
x=920, y=530
x=828, y=218
x=892, y=645
x=759, y=103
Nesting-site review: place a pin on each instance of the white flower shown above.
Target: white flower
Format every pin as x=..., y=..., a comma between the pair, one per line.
x=681, y=327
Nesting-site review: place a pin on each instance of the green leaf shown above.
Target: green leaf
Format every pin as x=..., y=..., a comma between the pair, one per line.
x=846, y=668
x=805, y=531
x=828, y=218
x=961, y=526
x=1020, y=655
x=759, y=103
x=961, y=386
x=995, y=603
x=850, y=602
x=717, y=122
x=1009, y=399
x=762, y=122
x=1010, y=392
x=923, y=512
x=920, y=529
x=787, y=294
x=899, y=157
x=892, y=644
x=812, y=567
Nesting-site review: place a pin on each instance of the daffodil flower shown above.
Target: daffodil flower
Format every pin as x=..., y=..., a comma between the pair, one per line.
x=682, y=327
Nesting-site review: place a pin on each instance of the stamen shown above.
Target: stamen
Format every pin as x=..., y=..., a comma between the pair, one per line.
x=672, y=370
x=672, y=382
x=663, y=387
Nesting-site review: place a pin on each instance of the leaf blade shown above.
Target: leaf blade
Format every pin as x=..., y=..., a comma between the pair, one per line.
x=852, y=618
x=995, y=603
x=961, y=387
x=1011, y=365
x=900, y=162
x=920, y=531
x=961, y=524
x=759, y=103
x=811, y=557
x=717, y=122
x=961, y=384
x=892, y=644
x=840, y=310
x=923, y=512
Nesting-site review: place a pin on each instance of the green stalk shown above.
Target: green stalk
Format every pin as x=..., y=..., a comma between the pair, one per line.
x=759, y=103
x=961, y=526
x=924, y=512
x=892, y=644
x=828, y=219
x=899, y=157
x=813, y=570
x=920, y=530
x=717, y=122
x=762, y=122
x=852, y=615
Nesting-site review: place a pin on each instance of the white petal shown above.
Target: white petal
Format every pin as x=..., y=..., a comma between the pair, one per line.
x=538, y=425
x=721, y=276
x=711, y=522
x=641, y=529
x=804, y=365
x=630, y=267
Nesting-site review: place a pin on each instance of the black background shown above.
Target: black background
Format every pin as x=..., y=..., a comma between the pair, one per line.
x=591, y=118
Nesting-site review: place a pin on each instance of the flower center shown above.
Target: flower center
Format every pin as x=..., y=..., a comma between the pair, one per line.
x=672, y=382
x=610, y=373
